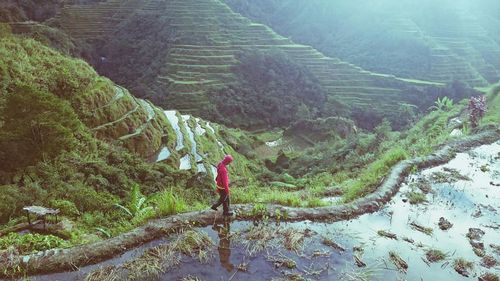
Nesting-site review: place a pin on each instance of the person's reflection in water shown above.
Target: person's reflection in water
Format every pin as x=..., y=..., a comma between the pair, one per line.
x=224, y=244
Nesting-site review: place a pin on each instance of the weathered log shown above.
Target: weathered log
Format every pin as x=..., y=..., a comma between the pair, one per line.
x=57, y=260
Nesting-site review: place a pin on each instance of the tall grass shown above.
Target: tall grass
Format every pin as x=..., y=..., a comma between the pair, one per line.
x=372, y=175
x=263, y=194
x=167, y=203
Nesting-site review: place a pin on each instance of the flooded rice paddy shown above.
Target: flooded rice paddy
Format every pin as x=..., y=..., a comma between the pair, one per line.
x=442, y=225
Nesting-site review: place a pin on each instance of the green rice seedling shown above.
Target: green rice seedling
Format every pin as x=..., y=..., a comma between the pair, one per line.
x=281, y=261
x=259, y=238
x=489, y=277
x=421, y=228
x=194, y=244
x=294, y=239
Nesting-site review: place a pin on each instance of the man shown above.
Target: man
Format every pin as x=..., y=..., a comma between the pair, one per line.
x=222, y=181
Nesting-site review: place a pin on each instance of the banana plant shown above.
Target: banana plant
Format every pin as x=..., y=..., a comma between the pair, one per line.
x=137, y=205
x=442, y=104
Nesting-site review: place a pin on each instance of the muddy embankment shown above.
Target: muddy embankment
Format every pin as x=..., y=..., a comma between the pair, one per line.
x=57, y=260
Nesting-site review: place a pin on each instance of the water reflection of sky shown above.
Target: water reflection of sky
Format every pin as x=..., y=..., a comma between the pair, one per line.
x=457, y=202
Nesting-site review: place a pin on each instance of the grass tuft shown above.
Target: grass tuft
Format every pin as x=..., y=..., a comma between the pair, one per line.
x=489, y=277
x=372, y=175
x=157, y=260
x=416, y=197
x=106, y=273
x=434, y=255
x=463, y=266
x=167, y=203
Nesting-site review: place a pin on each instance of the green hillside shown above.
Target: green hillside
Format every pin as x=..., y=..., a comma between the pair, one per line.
x=116, y=113
x=74, y=140
x=173, y=52
x=109, y=111
x=430, y=40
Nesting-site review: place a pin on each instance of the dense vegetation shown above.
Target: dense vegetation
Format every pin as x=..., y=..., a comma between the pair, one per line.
x=24, y=10
x=273, y=91
x=418, y=101
x=168, y=53
x=38, y=126
x=135, y=53
x=353, y=164
x=49, y=156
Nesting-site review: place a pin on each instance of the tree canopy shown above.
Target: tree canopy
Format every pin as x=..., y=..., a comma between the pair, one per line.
x=36, y=125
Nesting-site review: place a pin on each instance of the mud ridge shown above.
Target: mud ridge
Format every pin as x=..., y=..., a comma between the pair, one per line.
x=58, y=260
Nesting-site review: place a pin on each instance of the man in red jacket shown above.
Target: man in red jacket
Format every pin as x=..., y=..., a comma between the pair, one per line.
x=222, y=181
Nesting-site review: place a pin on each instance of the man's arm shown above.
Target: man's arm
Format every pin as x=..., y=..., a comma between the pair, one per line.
x=225, y=180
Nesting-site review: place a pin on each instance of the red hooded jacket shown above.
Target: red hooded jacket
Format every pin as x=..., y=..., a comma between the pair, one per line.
x=222, y=178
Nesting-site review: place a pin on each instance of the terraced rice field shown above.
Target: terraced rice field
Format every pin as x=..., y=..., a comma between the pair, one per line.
x=457, y=220
x=100, y=19
x=460, y=50
x=209, y=38
x=455, y=40
x=184, y=142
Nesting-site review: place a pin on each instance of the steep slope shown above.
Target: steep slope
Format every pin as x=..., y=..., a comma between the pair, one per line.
x=206, y=39
x=73, y=140
x=112, y=114
x=37, y=10
x=438, y=41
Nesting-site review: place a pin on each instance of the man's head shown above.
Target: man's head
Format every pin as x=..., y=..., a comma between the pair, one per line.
x=227, y=159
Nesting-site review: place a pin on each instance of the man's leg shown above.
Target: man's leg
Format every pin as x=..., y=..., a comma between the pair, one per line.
x=225, y=205
x=220, y=201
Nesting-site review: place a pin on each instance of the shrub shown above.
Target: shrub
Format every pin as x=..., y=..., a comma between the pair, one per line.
x=11, y=201
x=87, y=199
x=92, y=219
x=5, y=29
x=29, y=243
x=137, y=208
x=38, y=126
x=67, y=208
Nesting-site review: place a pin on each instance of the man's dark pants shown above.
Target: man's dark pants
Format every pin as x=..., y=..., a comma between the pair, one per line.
x=224, y=200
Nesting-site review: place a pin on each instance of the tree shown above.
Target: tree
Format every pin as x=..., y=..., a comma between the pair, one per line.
x=383, y=131
x=272, y=90
x=409, y=112
x=303, y=112
x=36, y=126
